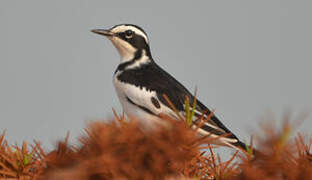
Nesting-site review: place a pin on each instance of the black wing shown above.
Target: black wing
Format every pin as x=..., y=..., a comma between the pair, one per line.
x=154, y=78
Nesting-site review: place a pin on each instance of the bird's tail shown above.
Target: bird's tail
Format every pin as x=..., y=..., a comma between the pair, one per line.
x=240, y=145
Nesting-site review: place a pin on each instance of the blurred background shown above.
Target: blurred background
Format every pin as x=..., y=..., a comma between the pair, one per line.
x=247, y=58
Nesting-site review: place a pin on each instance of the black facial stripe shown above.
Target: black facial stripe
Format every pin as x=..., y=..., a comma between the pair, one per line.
x=122, y=35
x=136, y=41
x=129, y=33
x=139, y=28
x=136, y=27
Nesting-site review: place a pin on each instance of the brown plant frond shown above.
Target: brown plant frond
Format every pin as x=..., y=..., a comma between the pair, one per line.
x=16, y=162
x=279, y=157
x=173, y=107
x=111, y=151
x=116, y=150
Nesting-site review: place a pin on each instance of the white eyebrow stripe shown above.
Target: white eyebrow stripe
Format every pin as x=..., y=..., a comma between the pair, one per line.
x=123, y=28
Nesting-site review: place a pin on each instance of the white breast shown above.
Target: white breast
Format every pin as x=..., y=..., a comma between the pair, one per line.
x=142, y=97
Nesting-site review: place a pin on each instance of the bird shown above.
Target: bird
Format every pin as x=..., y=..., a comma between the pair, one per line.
x=141, y=83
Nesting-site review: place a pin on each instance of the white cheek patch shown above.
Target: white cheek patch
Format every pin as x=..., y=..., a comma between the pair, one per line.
x=125, y=50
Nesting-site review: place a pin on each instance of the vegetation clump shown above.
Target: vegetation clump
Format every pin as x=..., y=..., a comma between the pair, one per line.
x=122, y=150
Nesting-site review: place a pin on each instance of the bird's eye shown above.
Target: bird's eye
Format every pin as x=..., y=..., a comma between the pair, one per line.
x=129, y=34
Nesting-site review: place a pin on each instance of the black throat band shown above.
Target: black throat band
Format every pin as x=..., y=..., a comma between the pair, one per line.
x=137, y=56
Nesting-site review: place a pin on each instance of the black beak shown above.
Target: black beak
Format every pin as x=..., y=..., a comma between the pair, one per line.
x=104, y=32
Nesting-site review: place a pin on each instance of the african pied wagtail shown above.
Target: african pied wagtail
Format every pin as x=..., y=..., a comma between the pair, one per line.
x=140, y=84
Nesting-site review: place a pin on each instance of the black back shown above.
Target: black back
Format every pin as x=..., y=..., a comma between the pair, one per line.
x=154, y=78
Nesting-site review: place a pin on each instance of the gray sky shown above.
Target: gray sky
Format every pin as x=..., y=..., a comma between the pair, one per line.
x=245, y=57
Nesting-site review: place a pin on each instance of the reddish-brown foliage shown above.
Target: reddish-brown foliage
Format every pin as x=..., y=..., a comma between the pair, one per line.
x=279, y=157
x=122, y=150
x=19, y=163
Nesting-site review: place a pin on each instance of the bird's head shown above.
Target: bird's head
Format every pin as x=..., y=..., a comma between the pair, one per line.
x=130, y=40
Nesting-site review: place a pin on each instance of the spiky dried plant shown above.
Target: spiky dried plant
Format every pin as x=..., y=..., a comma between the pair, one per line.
x=280, y=157
x=123, y=150
x=19, y=163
